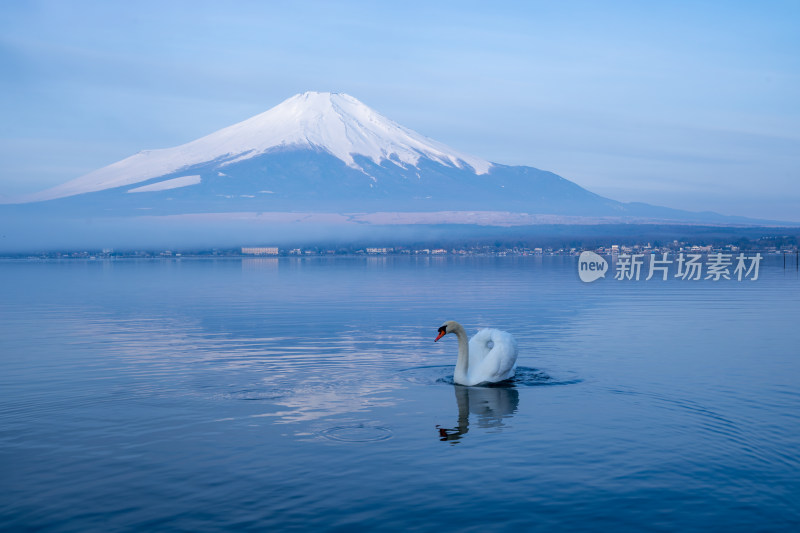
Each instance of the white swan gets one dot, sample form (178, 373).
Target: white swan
(489, 357)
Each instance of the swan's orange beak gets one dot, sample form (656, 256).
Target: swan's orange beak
(442, 333)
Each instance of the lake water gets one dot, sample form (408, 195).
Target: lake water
(308, 394)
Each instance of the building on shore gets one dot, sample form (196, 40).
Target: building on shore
(264, 250)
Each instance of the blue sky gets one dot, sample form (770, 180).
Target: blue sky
(692, 105)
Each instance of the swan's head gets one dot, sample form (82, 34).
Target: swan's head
(448, 327)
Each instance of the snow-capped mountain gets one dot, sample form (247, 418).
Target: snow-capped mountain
(333, 123)
(323, 152)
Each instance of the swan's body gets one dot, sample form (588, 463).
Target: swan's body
(488, 357)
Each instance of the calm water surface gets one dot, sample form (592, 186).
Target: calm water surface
(307, 394)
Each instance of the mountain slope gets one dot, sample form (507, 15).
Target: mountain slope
(334, 123)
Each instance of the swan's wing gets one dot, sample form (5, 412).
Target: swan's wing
(479, 347)
(499, 362)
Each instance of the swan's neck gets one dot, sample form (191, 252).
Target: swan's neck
(462, 364)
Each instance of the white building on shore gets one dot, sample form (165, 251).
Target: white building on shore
(264, 250)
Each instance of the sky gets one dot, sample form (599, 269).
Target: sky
(692, 105)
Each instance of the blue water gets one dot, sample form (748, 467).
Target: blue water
(307, 394)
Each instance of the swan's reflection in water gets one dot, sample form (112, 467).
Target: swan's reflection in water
(490, 405)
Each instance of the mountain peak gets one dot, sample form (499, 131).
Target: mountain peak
(343, 126)
(331, 122)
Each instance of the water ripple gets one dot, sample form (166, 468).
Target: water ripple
(523, 377)
(356, 433)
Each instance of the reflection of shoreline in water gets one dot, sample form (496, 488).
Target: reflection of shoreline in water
(490, 404)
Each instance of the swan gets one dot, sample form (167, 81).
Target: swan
(489, 356)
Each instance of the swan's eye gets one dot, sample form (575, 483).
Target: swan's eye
(442, 329)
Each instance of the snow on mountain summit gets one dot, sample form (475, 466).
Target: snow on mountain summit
(333, 122)
(342, 125)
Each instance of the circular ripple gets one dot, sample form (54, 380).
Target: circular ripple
(428, 375)
(523, 377)
(533, 377)
(357, 433)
